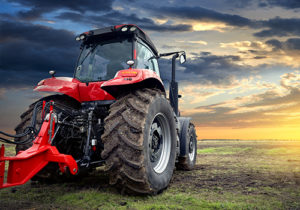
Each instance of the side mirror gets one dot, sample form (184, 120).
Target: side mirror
(182, 58)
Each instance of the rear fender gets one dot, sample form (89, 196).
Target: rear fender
(132, 79)
(65, 85)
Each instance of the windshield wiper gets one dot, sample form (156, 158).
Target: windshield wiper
(85, 57)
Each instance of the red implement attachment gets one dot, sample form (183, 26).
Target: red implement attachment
(27, 163)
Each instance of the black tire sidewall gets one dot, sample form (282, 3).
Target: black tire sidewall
(159, 181)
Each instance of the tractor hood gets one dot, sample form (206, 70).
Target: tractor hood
(74, 88)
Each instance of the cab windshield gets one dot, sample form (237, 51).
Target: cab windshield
(100, 61)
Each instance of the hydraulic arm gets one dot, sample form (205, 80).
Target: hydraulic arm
(27, 163)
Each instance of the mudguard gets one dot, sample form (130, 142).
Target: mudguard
(130, 79)
(65, 85)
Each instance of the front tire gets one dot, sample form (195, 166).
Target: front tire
(140, 142)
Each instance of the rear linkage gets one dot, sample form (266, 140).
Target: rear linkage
(28, 163)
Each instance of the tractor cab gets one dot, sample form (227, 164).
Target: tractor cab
(106, 51)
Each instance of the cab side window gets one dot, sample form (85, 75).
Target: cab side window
(145, 58)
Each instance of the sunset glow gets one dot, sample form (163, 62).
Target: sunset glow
(241, 79)
(259, 133)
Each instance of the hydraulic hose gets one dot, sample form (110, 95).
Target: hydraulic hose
(28, 130)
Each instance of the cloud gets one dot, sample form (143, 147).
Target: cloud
(207, 19)
(260, 109)
(29, 51)
(287, 51)
(201, 14)
(279, 27)
(38, 8)
(245, 45)
(196, 93)
(27, 32)
(213, 71)
(116, 17)
(289, 44)
(287, 4)
(164, 18)
(216, 69)
(271, 52)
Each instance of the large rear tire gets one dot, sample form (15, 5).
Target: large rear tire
(51, 171)
(140, 142)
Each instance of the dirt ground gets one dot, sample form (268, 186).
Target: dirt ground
(228, 175)
(271, 169)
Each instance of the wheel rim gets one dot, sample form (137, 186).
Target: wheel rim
(159, 143)
(192, 149)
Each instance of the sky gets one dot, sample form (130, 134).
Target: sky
(242, 75)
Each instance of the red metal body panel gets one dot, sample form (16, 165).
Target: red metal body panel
(65, 85)
(131, 76)
(74, 88)
(27, 163)
(94, 90)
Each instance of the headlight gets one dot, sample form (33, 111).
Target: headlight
(124, 29)
(133, 28)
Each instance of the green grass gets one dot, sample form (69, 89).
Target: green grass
(282, 151)
(9, 149)
(228, 175)
(227, 150)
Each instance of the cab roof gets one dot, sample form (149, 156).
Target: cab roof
(125, 29)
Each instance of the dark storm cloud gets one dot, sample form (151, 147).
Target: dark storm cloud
(217, 70)
(208, 69)
(280, 27)
(293, 44)
(115, 18)
(213, 63)
(238, 3)
(287, 4)
(111, 18)
(165, 27)
(202, 14)
(29, 51)
(272, 27)
(289, 44)
(38, 7)
(19, 31)
(276, 44)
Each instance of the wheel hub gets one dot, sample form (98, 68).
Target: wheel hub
(191, 145)
(155, 145)
(192, 148)
(159, 142)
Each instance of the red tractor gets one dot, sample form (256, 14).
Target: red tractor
(113, 112)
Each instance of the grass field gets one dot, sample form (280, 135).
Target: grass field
(228, 175)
